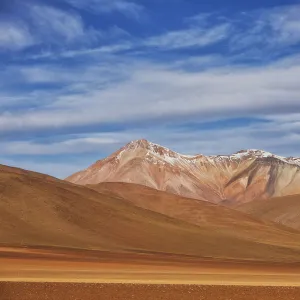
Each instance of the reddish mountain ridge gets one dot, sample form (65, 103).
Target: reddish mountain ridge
(226, 179)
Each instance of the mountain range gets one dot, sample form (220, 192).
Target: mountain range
(229, 180)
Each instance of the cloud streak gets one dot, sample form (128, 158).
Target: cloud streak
(128, 8)
(143, 91)
(15, 36)
(268, 29)
(278, 136)
(47, 26)
(192, 37)
(56, 26)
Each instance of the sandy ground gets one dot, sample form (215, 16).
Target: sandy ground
(73, 291)
(46, 265)
(63, 274)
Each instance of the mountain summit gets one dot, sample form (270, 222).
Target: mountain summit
(226, 179)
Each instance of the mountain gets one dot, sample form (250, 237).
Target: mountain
(39, 210)
(224, 179)
(283, 210)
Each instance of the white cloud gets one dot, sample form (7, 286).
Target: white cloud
(269, 29)
(118, 40)
(128, 8)
(188, 38)
(277, 136)
(86, 144)
(285, 24)
(201, 19)
(46, 25)
(40, 75)
(201, 62)
(192, 37)
(55, 26)
(142, 91)
(270, 137)
(108, 49)
(89, 77)
(15, 36)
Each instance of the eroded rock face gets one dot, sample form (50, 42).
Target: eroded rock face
(225, 179)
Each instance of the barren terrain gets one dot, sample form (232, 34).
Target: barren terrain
(70, 265)
(37, 210)
(118, 241)
(73, 291)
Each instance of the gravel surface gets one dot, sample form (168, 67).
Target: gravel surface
(74, 291)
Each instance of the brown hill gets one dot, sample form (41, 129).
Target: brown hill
(283, 210)
(38, 210)
(227, 179)
(201, 213)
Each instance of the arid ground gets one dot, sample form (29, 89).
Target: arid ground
(63, 241)
(62, 265)
(32, 274)
(75, 291)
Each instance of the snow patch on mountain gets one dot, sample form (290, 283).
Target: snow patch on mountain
(160, 155)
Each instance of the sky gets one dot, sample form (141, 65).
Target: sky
(81, 78)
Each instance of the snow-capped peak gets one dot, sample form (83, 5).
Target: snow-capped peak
(154, 153)
(158, 154)
(151, 148)
(257, 154)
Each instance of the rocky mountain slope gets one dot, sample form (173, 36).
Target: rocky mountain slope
(224, 179)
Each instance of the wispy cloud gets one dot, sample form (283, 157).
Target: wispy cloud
(278, 136)
(126, 7)
(195, 37)
(147, 91)
(191, 37)
(71, 145)
(45, 74)
(56, 26)
(268, 29)
(104, 49)
(15, 36)
(186, 38)
(285, 24)
(45, 25)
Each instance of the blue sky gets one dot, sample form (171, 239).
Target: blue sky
(81, 78)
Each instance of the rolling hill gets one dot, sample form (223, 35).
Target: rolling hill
(201, 213)
(38, 210)
(283, 210)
